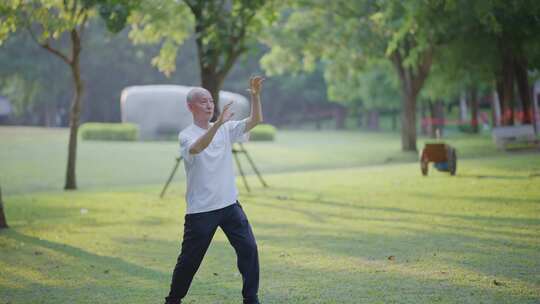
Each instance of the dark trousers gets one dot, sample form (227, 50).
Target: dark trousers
(199, 228)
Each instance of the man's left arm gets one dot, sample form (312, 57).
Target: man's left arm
(256, 116)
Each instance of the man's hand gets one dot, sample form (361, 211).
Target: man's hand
(256, 117)
(255, 84)
(225, 115)
(205, 140)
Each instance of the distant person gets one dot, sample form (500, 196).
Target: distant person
(211, 194)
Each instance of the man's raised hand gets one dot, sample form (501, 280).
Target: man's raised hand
(226, 114)
(255, 84)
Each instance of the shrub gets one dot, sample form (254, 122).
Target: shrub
(167, 132)
(109, 131)
(466, 129)
(263, 132)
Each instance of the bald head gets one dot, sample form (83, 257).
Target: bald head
(196, 93)
(201, 104)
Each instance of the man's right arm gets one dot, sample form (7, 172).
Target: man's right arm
(203, 141)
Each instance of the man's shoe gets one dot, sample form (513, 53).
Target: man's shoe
(252, 300)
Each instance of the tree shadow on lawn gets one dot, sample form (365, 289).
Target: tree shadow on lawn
(418, 254)
(479, 239)
(359, 206)
(476, 198)
(87, 259)
(509, 177)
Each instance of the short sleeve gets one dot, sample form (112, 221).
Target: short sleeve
(185, 144)
(236, 129)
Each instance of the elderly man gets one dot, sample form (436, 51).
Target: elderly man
(211, 196)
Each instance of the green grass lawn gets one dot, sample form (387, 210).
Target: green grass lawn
(34, 159)
(349, 224)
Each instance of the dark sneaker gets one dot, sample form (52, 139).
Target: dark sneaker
(251, 301)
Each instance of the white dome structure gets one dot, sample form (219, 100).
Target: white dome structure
(161, 110)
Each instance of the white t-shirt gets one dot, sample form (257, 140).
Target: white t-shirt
(210, 175)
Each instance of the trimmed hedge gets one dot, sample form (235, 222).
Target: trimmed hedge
(263, 132)
(109, 131)
(467, 129)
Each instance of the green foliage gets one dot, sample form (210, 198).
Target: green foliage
(8, 18)
(474, 34)
(109, 131)
(263, 132)
(222, 30)
(466, 129)
(44, 24)
(164, 22)
(20, 91)
(48, 20)
(30, 79)
(350, 39)
(53, 18)
(376, 87)
(111, 62)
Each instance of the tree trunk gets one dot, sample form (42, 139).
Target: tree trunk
(366, 119)
(495, 110)
(49, 114)
(318, 125)
(213, 82)
(535, 110)
(71, 182)
(439, 108)
(341, 115)
(522, 81)
(463, 108)
(359, 118)
(473, 97)
(3, 220)
(506, 86)
(394, 119)
(208, 60)
(373, 120)
(408, 122)
(432, 120)
(411, 82)
(216, 58)
(425, 121)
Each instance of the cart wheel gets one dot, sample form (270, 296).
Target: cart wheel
(424, 164)
(452, 161)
